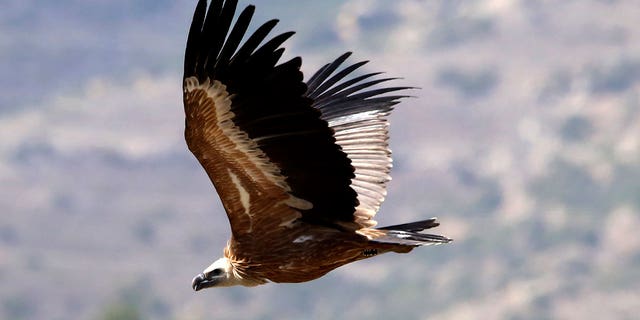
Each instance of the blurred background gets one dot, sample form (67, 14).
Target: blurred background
(524, 140)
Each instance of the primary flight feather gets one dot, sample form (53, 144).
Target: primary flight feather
(300, 168)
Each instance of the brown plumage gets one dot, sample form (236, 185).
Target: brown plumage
(300, 168)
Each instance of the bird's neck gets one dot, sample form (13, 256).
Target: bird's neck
(241, 270)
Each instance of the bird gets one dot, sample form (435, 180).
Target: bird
(301, 167)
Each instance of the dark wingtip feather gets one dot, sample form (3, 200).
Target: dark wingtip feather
(254, 41)
(236, 35)
(336, 95)
(321, 75)
(193, 39)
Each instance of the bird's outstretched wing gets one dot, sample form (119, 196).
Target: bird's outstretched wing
(358, 115)
(270, 154)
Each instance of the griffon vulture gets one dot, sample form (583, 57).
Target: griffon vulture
(301, 167)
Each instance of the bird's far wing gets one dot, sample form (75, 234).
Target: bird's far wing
(268, 152)
(358, 115)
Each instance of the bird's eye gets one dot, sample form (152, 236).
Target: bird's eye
(215, 272)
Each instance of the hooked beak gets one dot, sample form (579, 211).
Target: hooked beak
(200, 282)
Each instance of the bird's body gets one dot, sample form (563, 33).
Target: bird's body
(301, 168)
(310, 250)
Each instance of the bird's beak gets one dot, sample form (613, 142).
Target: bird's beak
(201, 282)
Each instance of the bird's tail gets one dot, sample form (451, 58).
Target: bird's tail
(409, 234)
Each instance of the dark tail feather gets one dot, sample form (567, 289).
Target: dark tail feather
(408, 234)
(414, 226)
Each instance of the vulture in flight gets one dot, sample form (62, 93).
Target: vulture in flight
(301, 167)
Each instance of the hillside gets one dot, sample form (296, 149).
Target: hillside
(524, 139)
